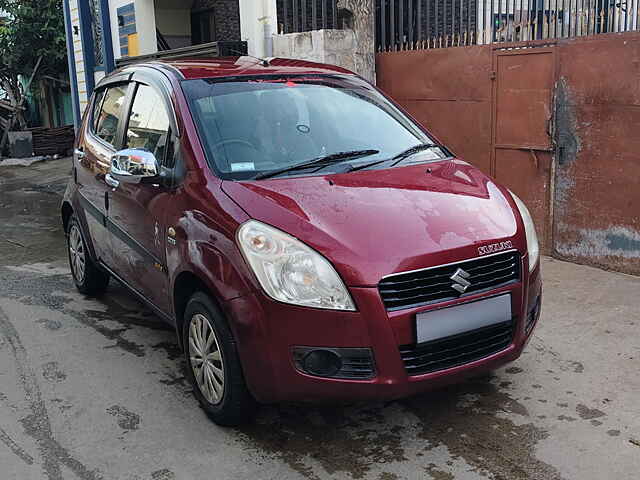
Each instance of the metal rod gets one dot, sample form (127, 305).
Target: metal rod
(401, 22)
(295, 16)
(491, 24)
(419, 21)
(469, 40)
(392, 23)
(334, 14)
(436, 19)
(453, 20)
(285, 13)
(324, 13)
(410, 22)
(428, 32)
(460, 24)
(383, 24)
(314, 14)
(303, 7)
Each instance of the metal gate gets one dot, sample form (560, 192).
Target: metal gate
(553, 120)
(522, 129)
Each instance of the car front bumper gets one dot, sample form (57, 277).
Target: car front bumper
(267, 331)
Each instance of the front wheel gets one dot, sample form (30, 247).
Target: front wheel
(87, 276)
(213, 365)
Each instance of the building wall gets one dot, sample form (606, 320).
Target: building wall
(173, 19)
(145, 26)
(227, 16)
(76, 28)
(336, 47)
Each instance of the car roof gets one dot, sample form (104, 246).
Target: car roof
(219, 67)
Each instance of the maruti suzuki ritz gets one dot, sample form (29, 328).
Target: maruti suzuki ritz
(307, 239)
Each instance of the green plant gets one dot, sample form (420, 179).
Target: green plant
(31, 34)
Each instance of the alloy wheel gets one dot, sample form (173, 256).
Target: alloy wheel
(77, 253)
(206, 358)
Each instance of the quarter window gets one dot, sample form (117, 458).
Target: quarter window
(148, 127)
(97, 103)
(109, 118)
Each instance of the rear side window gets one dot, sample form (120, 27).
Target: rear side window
(148, 126)
(106, 125)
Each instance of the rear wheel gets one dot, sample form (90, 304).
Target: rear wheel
(213, 365)
(87, 276)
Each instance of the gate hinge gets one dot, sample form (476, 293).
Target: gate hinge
(492, 75)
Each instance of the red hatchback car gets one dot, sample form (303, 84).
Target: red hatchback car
(308, 240)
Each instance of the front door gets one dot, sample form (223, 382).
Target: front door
(93, 158)
(522, 116)
(137, 220)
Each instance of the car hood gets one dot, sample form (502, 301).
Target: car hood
(373, 223)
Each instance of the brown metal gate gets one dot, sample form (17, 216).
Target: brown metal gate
(522, 118)
(555, 121)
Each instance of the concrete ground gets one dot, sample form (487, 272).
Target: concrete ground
(94, 389)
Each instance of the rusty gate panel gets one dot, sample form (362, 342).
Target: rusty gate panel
(442, 88)
(580, 173)
(522, 113)
(597, 189)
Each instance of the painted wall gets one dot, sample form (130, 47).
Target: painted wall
(145, 25)
(173, 19)
(258, 23)
(78, 54)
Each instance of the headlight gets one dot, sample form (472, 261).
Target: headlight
(533, 248)
(290, 271)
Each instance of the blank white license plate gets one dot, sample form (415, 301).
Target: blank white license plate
(449, 321)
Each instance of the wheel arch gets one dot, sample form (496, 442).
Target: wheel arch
(185, 284)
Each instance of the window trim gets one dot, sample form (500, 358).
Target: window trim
(158, 81)
(170, 133)
(117, 145)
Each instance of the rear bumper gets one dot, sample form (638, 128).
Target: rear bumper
(266, 332)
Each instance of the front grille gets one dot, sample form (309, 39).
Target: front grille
(421, 287)
(456, 350)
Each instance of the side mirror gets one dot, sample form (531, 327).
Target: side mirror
(134, 166)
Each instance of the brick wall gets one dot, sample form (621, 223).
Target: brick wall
(227, 17)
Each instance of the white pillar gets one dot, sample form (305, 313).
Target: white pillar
(258, 23)
(146, 25)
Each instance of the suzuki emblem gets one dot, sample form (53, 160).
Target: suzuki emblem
(460, 281)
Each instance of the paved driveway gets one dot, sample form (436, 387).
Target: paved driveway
(94, 389)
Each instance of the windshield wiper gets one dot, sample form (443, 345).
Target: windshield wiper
(399, 157)
(319, 162)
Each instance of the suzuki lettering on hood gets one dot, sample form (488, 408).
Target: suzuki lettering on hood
(495, 247)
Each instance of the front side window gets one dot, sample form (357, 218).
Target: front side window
(261, 124)
(148, 126)
(110, 114)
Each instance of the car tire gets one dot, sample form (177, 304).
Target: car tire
(213, 365)
(89, 278)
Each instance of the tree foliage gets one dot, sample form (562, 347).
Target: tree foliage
(29, 30)
(32, 29)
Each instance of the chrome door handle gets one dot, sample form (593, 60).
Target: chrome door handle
(79, 154)
(112, 182)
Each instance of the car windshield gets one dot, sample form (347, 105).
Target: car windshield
(255, 125)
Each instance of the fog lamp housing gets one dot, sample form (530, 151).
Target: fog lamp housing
(329, 362)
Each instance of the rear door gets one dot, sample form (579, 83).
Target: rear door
(100, 139)
(137, 212)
